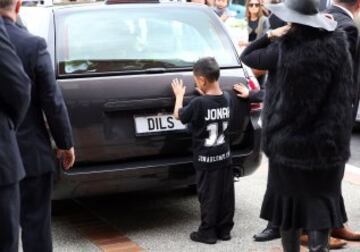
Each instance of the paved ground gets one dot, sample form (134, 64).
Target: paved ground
(355, 149)
(162, 221)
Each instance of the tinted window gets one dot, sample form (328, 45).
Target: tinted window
(239, 2)
(132, 39)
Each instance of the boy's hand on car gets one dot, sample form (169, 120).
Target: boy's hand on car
(241, 90)
(178, 87)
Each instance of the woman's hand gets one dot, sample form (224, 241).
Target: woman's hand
(279, 32)
(243, 43)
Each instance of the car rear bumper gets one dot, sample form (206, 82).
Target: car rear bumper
(113, 178)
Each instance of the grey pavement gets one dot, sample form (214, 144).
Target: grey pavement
(162, 221)
(355, 149)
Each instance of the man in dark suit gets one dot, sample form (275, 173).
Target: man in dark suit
(33, 138)
(14, 102)
(343, 12)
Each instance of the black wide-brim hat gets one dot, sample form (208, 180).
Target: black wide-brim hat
(305, 12)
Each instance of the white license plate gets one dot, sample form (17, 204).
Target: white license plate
(156, 124)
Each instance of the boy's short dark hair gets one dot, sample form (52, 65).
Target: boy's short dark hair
(207, 67)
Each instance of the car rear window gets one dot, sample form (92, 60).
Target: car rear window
(139, 39)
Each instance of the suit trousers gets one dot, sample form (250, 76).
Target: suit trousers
(215, 189)
(35, 215)
(9, 217)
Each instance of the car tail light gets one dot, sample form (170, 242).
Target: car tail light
(253, 85)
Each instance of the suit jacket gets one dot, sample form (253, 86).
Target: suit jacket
(14, 101)
(46, 98)
(348, 25)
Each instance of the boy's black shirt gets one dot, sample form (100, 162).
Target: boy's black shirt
(209, 117)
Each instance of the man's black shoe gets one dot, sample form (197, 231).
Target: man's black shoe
(195, 236)
(224, 237)
(268, 234)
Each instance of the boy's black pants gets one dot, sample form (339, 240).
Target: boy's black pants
(215, 189)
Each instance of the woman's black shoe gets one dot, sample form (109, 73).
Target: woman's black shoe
(195, 236)
(267, 234)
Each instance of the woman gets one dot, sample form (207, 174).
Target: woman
(306, 122)
(257, 22)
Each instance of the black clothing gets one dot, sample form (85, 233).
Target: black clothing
(346, 23)
(35, 213)
(321, 82)
(310, 200)
(33, 138)
(256, 96)
(253, 25)
(209, 118)
(306, 126)
(14, 101)
(275, 22)
(217, 201)
(319, 240)
(290, 240)
(9, 217)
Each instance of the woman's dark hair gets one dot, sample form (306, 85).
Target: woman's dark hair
(304, 32)
(208, 68)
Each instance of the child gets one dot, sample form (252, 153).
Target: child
(209, 116)
(221, 9)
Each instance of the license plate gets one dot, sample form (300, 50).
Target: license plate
(157, 124)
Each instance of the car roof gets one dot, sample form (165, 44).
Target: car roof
(103, 6)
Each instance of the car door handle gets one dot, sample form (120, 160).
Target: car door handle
(114, 105)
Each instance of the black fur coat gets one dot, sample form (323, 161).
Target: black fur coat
(307, 111)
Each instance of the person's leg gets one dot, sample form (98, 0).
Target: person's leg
(271, 231)
(36, 213)
(290, 240)
(9, 218)
(207, 194)
(319, 240)
(225, 221)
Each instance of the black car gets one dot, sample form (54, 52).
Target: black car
(115, 64)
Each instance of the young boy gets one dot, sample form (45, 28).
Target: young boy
(209, 116)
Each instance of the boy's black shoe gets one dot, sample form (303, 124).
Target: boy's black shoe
(195, 236)
(224, 237)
